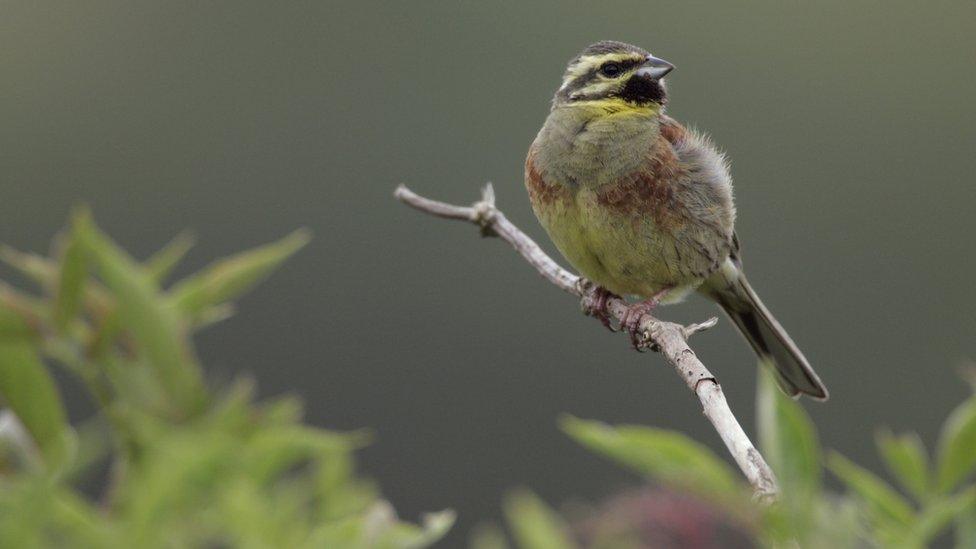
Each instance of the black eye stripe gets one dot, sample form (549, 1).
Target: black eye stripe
(615, 68)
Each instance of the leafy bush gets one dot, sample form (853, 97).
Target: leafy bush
(189, 466)
(871, 513)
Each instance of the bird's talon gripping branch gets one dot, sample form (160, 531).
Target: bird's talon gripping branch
(635, 314)
(632, 320)
(595, 303)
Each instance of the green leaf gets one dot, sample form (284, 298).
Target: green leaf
(233, 276)
(27, 388)
(788, 440)
(488, 536)
(966, 527)
(906, 459)
(213, 315)
(341, 493)
(378, 528)
(656, 454)
(534, 525)
(35, 512)
(37, 268)
(106, 330)
(838, 523)
(937, 515)
(162, 263)
(93, 443)
(957, 446)
(72, 274)
(274, 450)
(347, 532)
(31, 309)
(885, 503)
(403, 535)
(152, 321)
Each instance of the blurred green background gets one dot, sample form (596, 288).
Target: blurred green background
(850, 127)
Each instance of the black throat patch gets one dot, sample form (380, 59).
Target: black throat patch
(643, 91)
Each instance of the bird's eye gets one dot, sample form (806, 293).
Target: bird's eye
(610, 70)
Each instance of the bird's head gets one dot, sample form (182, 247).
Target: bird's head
(614, 77)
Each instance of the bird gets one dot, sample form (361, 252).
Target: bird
(643, 207)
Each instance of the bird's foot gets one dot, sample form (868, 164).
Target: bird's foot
(596, 305)
(633, 316)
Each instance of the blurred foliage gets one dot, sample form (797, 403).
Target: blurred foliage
(182, 465)
(179, 464)
(702, 502)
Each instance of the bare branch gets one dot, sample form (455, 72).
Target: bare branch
(667, 337)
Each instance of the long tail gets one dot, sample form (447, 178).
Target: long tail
(730, 289)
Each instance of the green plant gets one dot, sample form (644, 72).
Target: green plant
(189, 465)
(929, 499)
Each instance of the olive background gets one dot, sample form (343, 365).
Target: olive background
(850, 126)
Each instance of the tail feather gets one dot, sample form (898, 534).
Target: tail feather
(730, 289)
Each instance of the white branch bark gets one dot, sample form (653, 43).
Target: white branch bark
(669, 338)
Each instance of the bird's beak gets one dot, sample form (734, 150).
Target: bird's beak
(654, 68)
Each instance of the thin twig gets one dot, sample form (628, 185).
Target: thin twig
(667, 337)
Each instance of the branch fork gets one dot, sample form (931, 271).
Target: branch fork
(669, 338)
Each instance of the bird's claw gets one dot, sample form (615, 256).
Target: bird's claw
(633, 316)
(631, 323)
(595, 304)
